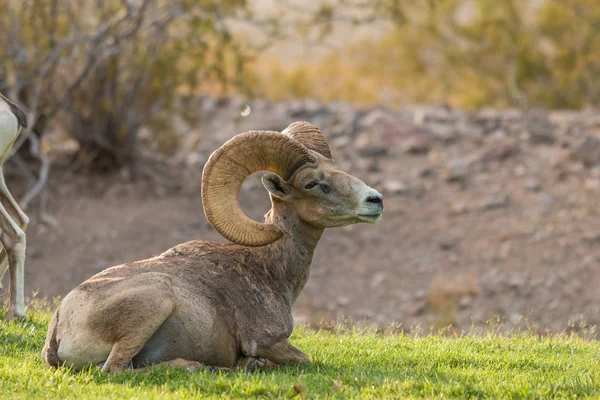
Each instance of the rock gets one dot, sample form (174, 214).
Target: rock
(538, 128)
(444, 133)
(195, 159)
(396, 188)
(497, 151)
(590, 260)
(458, 208)
(532, 184)
(546, 199)
(424, 173)
(520, 170)
(373, 166)
(382, 131)
(495, 201)
(592, 237)
(540, 136)
(515, 281)
(588, 151)
(343, 300)
(367, 146)
(457, 170)
(592, 184)
(340, 142)
(417, 144)
(499, 135)
(447, 245)
(487, 123)
(377, 280)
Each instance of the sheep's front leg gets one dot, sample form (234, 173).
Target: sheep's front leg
(282, 352)
(13, 238)
(12, 258)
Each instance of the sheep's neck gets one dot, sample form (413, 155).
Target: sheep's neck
(293, 253)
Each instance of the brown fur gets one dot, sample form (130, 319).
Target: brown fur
(52, 347)
(222, 305)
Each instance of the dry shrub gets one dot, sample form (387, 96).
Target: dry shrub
(100, 70)
(469, 53)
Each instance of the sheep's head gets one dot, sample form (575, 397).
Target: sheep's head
(302, 174)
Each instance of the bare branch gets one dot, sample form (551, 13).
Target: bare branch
(44, 172)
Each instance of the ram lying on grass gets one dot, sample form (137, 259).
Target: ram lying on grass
(345, 365)
(212, 304)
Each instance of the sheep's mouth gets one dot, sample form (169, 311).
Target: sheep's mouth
(370, 218)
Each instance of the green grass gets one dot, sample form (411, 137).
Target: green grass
(345, 364)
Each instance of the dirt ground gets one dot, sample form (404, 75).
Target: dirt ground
(487, 215)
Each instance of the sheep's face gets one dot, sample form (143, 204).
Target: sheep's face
(326, 197)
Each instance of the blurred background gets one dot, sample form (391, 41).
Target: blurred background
(477, 120)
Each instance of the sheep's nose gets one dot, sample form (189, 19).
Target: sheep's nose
(375, 199)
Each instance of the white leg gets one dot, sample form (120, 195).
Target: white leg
(13, 238)
(3, 264)
(13, 203)
(24, 222)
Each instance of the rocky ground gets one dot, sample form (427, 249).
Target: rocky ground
(488, 214)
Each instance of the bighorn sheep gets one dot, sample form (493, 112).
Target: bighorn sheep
(13, 221)
(222, 305)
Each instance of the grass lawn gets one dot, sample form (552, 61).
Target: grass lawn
(345, 365)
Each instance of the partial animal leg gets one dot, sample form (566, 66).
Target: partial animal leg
(252, 363)
(3, 264)
(17, 215)
(4, 257)
(24, 219)
(282, 352)
(132, 316)
(13, 239)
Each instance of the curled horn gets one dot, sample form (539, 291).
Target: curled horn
(230, 165)
(310, 136)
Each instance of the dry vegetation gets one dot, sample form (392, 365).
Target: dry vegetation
(468, 53)
(100, 71)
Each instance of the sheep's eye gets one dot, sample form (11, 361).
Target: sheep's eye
(310, 185)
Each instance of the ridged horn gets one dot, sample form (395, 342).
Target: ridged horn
(230, 165)
(310, 136)
(17, 111)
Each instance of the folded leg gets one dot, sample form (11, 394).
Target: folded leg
(16, 214)
(13, 239)
(282, 352)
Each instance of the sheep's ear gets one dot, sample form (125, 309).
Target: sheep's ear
(276, 186)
